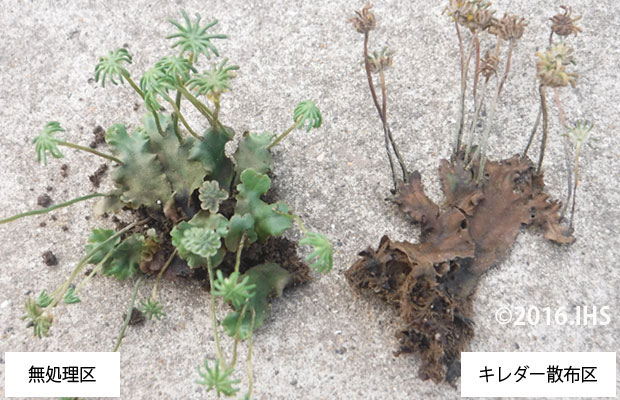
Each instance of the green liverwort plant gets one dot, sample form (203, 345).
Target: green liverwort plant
(211, 196)
(194, 38)
(40, 320)
(230, 289)
(112, 66)
(322, 256)
(199, 205)
(152, 309)
(47, 142)
(215, 378)
(306, 111)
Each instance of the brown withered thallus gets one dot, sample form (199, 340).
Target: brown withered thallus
(431, 283)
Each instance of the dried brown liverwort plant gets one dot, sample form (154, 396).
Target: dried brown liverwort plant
(431, 283)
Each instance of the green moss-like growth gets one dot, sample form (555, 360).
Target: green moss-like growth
(194, 202)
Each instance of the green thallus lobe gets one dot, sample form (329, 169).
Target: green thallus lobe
(153, 170)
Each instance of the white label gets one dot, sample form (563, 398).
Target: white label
(538, 374)
(39, 374)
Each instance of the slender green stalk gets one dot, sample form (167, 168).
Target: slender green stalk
(133, 85)
(89, 150)
(51, 208)
(178, 113)
(214, 316)
(200, 106)
(175, 116)
(216, 112)
(178, 98)
(175, 128)
(95, 270)
(243, 310)
(203, 109)
(121, 334)
(545, 117)
(237, 339)
(157, 123)
(284, 134)
(161, 273)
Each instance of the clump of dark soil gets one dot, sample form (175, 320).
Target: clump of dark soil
(431, 283)
(99, 137)
(137, 317)
(49, 258)
(44, 200)
(98, 175)
(279, 250)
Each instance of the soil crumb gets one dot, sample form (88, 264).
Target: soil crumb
(44, 200)
(277, 249)
(49, 258)
(99, 134)
(137, 317)
(96, 178)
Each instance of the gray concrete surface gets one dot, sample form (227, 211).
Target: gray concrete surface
(323, 341)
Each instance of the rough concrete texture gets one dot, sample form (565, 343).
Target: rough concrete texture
(323, 340)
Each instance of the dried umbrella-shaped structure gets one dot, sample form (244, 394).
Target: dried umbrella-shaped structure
(431, 282)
